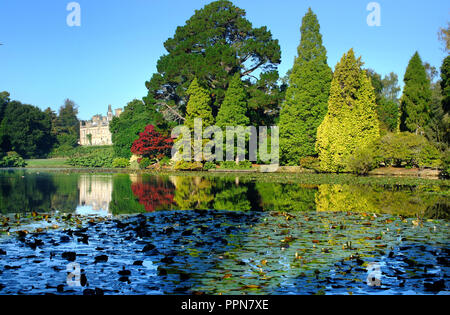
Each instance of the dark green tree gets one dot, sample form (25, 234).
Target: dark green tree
(445, 84)
(214, 44)
(416, 99)
(67, 125)
(307, 95)
(26, 130)
(125, 129)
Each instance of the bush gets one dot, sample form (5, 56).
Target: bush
(121, 163)
(100, 157)
(363, 161)
(188, 166)
(310, 163)
(229, 165)
(165, 161)
(408, 150)
(144, 163)
(209, 166)
(12, 159)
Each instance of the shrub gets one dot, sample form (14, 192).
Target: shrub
(209, 166)
(97, 158)
(121, 163)
(407, 149)
(165, 161)
(152, 144)
(311, 163)
(144, 163)
(12, 159)
(446, 164)
(188, 166)
(363, 161)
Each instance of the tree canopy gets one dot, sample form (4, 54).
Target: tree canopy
(215, 43)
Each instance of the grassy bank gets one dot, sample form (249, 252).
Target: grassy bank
(48, 163)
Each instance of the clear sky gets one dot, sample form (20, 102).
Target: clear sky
(110, 56)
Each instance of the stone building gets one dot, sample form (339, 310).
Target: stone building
(96, 131)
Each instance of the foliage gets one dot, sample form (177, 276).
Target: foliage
(66, 126)
(215, 43)
(209, 166)
(363, 161)
(165, 161)
(188, 166)
(24, 129)
(199, 106)
(233, 111)
(446, 164)
(231, 165)
(120, 163)
(68, 151)
(12, 159)
(152, 144)
(307, 95)
(351, 121)
(126, 128)
(407, 149)
(145, 163)
(415, 102)
(98, 158)
(310, 162)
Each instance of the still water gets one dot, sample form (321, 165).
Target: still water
(143, 234)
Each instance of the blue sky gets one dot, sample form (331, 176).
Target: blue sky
(110, 56)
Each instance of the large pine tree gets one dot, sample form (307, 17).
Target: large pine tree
(416, 99)
(307, 95)
(351, 121)
(233, 111)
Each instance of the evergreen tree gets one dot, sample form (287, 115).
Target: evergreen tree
(416, 99)
(351, 122)
(199, 106)
(445, 84)
(233, 111)
(307, 95)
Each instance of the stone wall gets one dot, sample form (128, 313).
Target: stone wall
(95, 132)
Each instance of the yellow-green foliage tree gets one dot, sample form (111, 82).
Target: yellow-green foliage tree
(351, 121)
(199, 106)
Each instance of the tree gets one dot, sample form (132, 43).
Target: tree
(351, 121)
(233, 111)
(125, 129)
(307, 95)
(416, 99)
(199, 106)
(26, 130)
(444, 36)
(386, 95)
(215, 43)
(151, 144)
(67, 125)
(445, 84)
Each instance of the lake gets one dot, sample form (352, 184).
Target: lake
(82, 233)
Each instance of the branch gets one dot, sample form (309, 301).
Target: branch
(253, 69)
(176, 113)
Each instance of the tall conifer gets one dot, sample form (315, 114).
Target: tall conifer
(307, 95)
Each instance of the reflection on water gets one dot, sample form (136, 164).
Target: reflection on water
(95, 193)
(26, 191)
